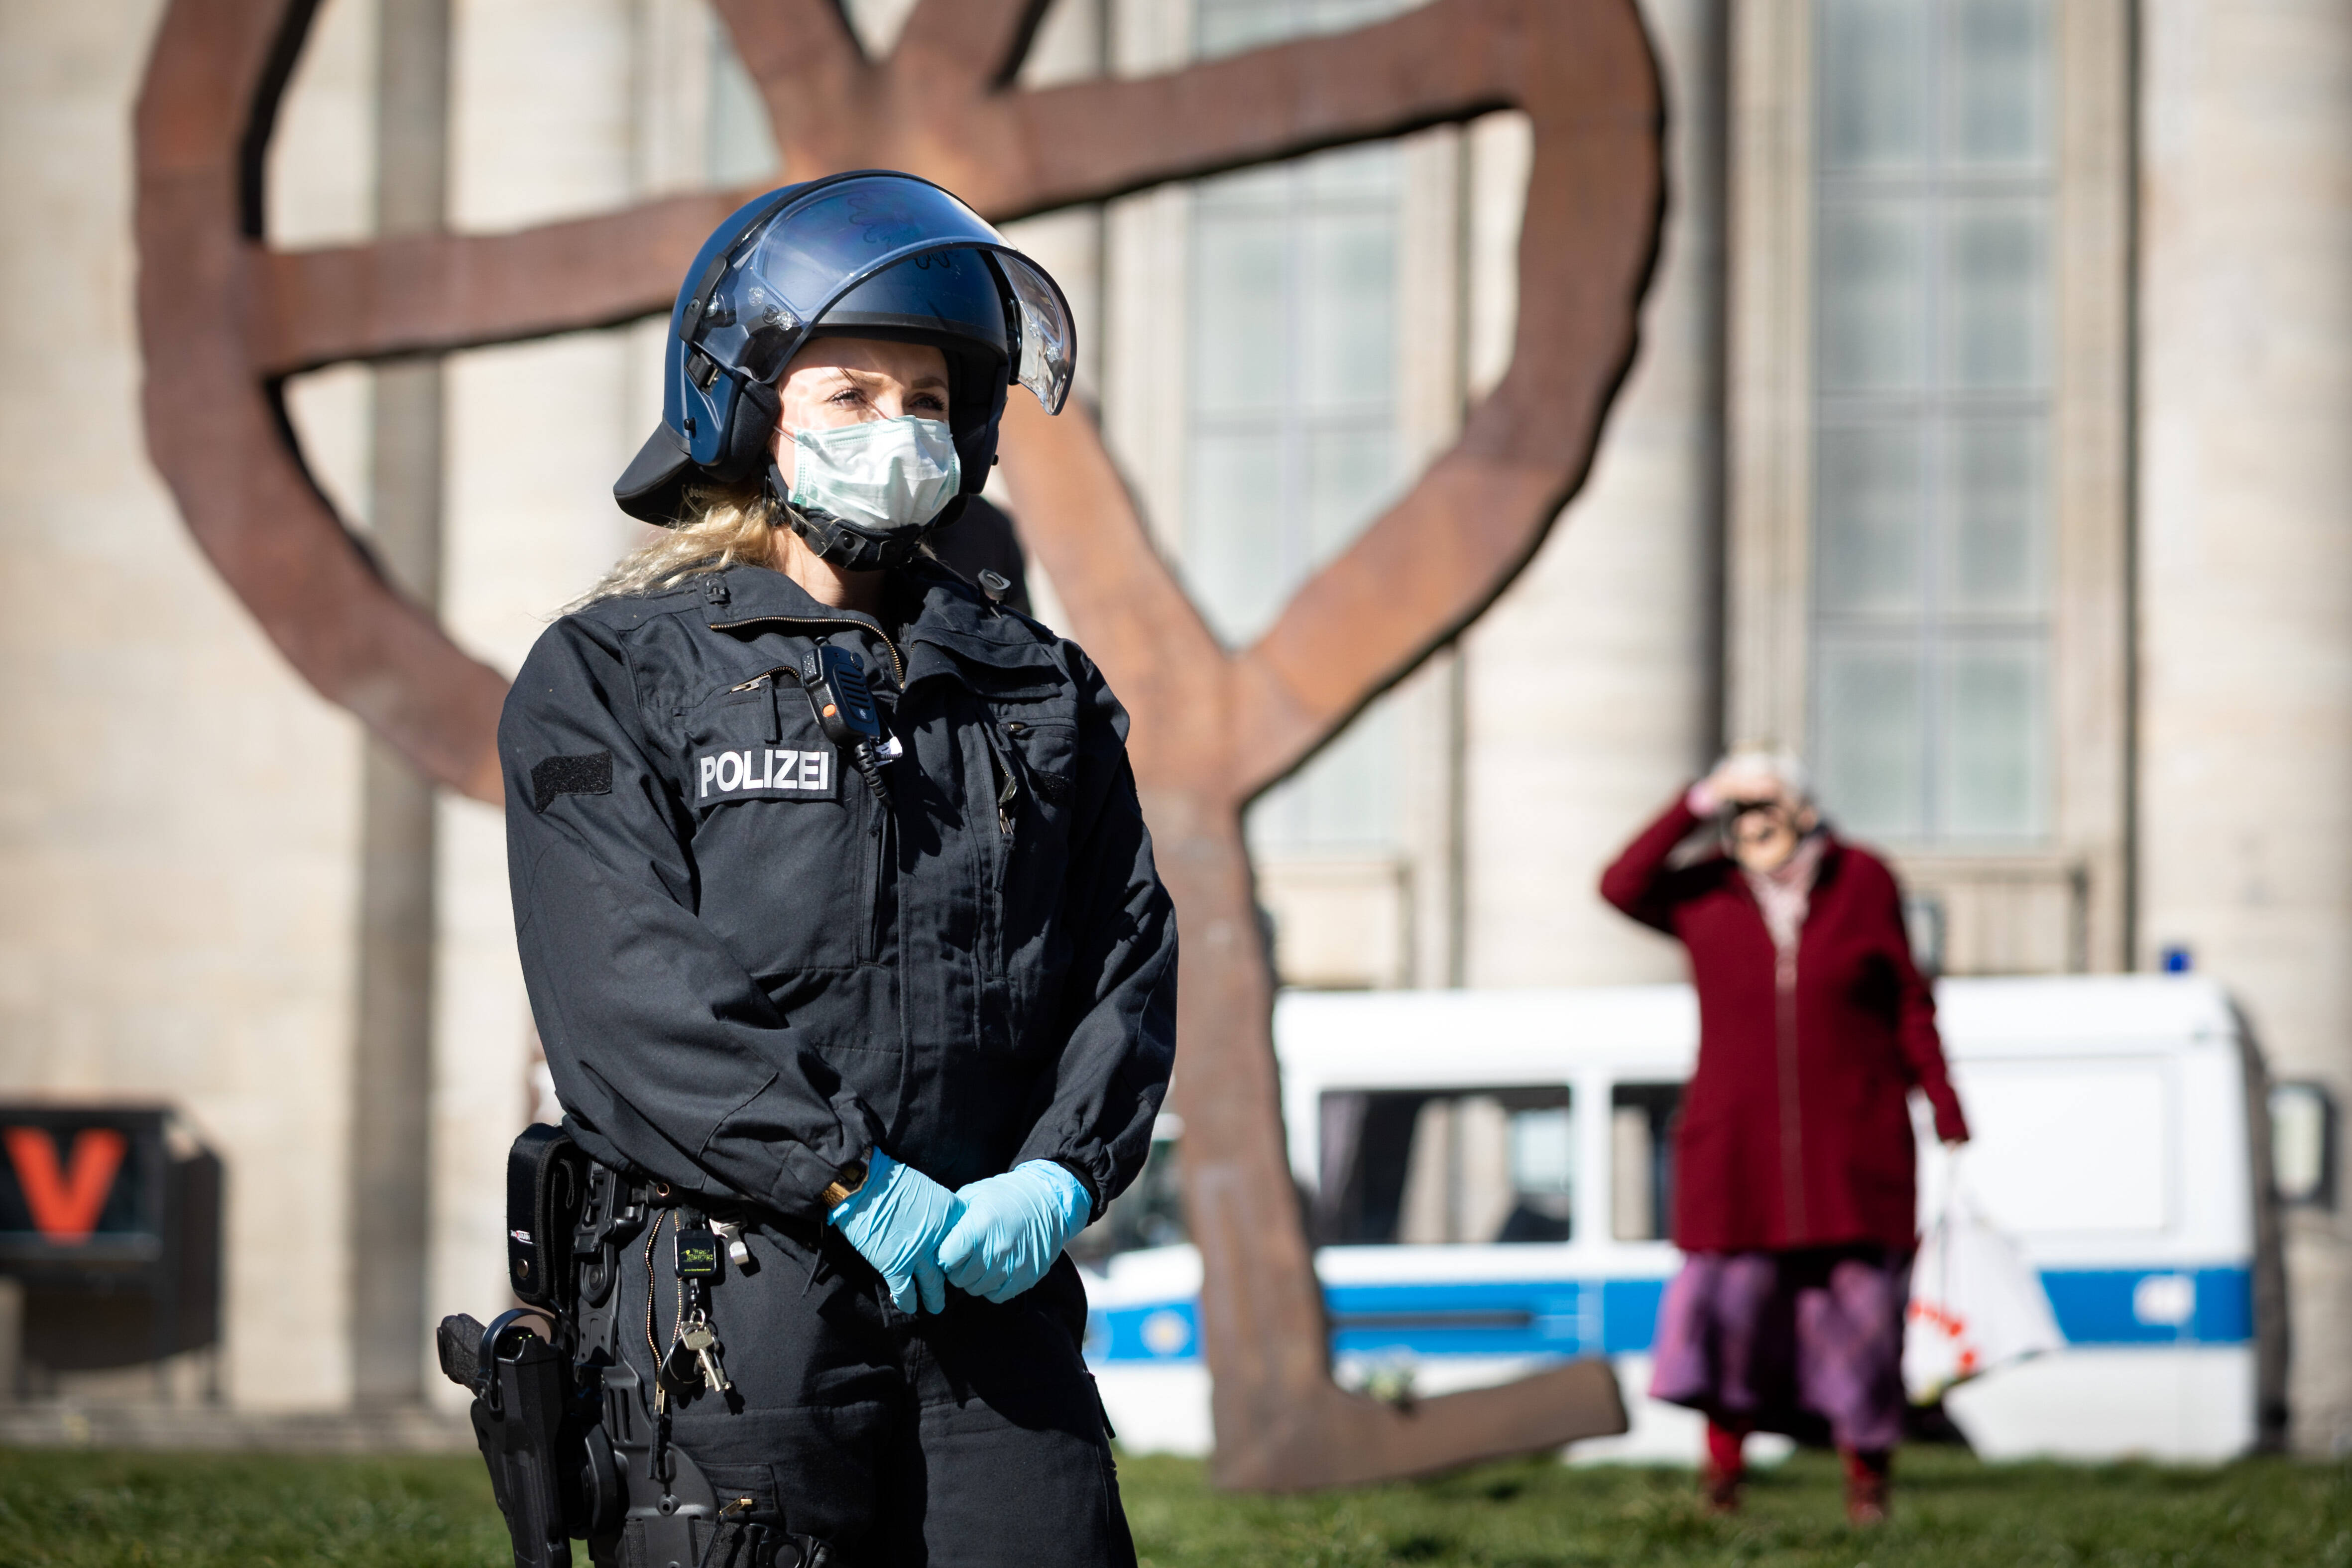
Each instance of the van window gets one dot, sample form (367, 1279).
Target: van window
(1642, 1159)
(1419, 1166)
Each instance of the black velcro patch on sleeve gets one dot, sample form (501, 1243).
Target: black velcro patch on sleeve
(589, 775)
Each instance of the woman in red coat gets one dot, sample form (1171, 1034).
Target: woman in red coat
(1793, 1162)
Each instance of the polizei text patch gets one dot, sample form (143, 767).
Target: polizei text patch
(764, 771)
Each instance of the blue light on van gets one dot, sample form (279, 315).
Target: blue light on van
(1619, 1317)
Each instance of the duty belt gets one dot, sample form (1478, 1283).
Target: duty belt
(577, 1443)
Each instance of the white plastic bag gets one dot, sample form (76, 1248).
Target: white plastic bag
(1976, 1303)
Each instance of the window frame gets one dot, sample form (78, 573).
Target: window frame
(1510, 1098)
(2062, 904)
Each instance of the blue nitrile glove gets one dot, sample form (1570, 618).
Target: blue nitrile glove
(1013, 1229)
(896, 1220)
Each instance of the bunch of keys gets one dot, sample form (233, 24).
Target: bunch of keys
(693, 1363)
(693, 1360)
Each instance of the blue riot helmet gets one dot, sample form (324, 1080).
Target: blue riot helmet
(871, 254)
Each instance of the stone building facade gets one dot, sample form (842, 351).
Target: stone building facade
(1985, 442)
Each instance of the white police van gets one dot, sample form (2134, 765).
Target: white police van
(1488, 1177)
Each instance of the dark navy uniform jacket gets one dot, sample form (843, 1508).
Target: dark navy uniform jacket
(747, 974)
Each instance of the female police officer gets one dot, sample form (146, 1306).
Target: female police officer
(835, 902)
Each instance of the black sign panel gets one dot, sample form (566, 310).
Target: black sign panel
(104, 1208)
(80, 1188)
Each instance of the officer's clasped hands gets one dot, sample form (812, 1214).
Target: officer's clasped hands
(897, 1220)
(1011, 1230)
(994, 1237)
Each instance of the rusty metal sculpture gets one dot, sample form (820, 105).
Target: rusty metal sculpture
(225, 319)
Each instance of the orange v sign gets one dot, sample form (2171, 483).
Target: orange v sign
(65, 1204)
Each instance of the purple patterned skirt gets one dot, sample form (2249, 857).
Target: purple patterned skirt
(1809, 1343)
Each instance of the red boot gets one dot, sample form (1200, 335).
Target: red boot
(1725, 1469)
(1869, 1477)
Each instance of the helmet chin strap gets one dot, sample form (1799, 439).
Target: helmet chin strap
(837, 543)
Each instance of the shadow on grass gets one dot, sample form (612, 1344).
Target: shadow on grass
(212, 1510)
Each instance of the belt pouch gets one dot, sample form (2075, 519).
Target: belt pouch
(547, 1181)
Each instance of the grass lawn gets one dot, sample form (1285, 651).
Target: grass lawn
(82, 1508)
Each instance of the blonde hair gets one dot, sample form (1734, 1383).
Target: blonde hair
(726, 525)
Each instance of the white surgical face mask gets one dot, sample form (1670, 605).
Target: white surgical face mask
(884, 476)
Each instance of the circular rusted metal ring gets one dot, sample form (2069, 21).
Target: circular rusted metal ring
(224, 319)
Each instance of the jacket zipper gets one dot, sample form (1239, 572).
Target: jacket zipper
(775, 699)
(1008, 780)
(870, 939)
(898, 665)
(1007, 772)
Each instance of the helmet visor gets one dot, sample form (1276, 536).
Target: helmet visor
(795, 266)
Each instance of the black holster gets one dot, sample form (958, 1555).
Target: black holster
(564, 1423)
(524, 1394)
